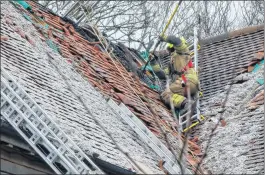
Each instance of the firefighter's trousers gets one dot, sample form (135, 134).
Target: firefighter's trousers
(177, 93)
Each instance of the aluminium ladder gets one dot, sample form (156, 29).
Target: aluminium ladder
(197, 118)
(41, 132)
(148, 137)
(183, 121)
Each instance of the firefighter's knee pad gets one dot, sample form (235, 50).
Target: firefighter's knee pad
(177, 100)
(166, 95)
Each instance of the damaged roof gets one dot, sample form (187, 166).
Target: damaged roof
(103, 72)
(33, 69)
(223, 57)
(232, 67)
(24, 56)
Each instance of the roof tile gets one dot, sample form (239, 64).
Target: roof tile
(220, 58)
(109, 75)
(259, 55)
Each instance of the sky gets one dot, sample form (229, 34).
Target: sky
(235, 10)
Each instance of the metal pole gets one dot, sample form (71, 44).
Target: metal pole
(163, 33)
(195, 48)
(196, 68)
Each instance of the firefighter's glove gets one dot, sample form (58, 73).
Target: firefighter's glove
(153, 56)
(183, 84)
(162, 38)
(200, 94)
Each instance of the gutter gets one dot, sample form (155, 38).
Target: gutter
(9, 135)
(110, 168)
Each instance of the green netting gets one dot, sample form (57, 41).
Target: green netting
(154, 87)
(145, 56)
(23, 4)
(52, 45)
(260, 81)
(257, 66)
(49, 42)
(27, 18)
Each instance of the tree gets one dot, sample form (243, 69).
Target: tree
(252, 12)
(136, 23)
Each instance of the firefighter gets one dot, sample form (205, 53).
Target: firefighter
(181, 72)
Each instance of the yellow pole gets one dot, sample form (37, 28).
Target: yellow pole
(169, 21)
(171, 17)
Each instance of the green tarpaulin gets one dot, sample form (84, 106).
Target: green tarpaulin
(256, 68)
(24, 4)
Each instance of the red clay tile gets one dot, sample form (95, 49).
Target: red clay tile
(104, 73)
(4, 38)
(223, 123)
(259, 55)
(250, 68)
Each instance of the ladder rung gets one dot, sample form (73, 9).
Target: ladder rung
(38, 129)
(183, 120)
(17, 121)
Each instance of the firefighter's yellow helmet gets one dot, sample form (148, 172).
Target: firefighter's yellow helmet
(169, 45)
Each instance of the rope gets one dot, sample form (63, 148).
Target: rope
(87, 109)
(78, 97)
(151, 111)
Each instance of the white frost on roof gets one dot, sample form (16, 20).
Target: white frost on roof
(30, 67)
(236, 147)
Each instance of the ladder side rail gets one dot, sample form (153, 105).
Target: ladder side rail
(31, 144)
(19, 119)
(196, 69)
(148, 132)
(184, 122)
(30, 113)
(169, 164)
(65, 139)
(151, 135)
(139, 129)
(80, 155)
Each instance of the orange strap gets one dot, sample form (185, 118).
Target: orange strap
(184, 79)
(189, 65)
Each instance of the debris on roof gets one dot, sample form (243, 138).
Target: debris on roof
(238, 145)
(219, 56)
(256, 101)
(100, 70)
(32, 68)
(3, 38)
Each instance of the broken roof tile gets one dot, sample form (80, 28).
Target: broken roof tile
(72, 45)
(219, 57)
(259, 55)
